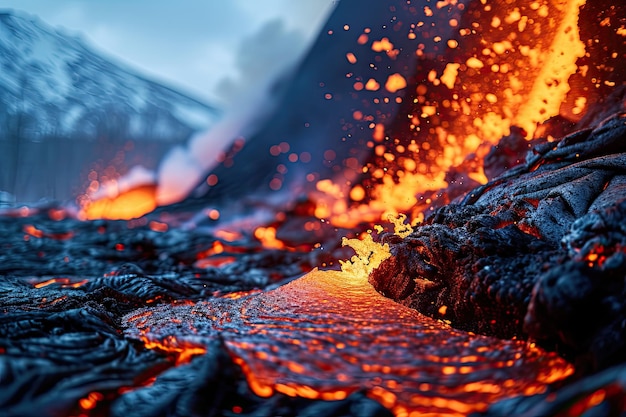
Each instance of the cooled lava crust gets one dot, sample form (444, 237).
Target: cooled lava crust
(539, 252)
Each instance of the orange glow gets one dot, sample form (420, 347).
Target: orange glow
(182, 351)
(158, 226)
(132, 204)
(372, 85)
(479, 176)
(596, 257)
(267, 237)
(33, 231)
(379, 132)
(239, 294)
(57, 214)
(65, 283)
(449, 75)
(357, 193)
(613, 393)
(215, 261)
(382, 45)
(216, 248)
(317, 337)
(90, 402)
(550, 86)
(395, 82)
(321, 341)
(228, 235)
(139, 316)
(510, 69)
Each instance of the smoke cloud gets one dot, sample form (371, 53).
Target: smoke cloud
(262, 58)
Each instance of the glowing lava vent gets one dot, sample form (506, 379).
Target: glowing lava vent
(114, 197)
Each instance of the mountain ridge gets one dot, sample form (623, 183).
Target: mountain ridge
(79, 88)
(69, 112)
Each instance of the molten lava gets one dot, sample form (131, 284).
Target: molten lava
(482, 68)
(329, 334)
(131, 204)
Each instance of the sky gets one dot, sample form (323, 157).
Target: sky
(210, 49)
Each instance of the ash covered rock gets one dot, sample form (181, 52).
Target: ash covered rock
(538, 252)
(580, 303)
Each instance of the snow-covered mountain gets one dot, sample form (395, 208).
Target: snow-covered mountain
(53, 85)
(69, 115)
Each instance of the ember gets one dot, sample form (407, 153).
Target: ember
(471, 153)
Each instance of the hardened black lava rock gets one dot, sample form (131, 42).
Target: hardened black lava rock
(64, 287)
(539, 252)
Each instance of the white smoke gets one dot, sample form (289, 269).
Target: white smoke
(177, 174)
(135, 177)
(262, 58)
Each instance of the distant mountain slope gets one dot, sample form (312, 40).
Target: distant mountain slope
(69, 115)
(52, 84)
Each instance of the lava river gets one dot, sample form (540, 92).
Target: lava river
(329, 334)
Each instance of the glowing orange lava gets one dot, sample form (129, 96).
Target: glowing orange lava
(330, 333)
(90, 401)
(32, 231)
(183, 351)
(480, 73)
(131, 204)
(64, 282)
(267, 237)
(490, 65)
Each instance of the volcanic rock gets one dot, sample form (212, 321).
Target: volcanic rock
(536, 253)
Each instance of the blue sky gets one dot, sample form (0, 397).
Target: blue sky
(211, 49)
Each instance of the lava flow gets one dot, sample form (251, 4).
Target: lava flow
(329, 334)
(130, 204)
(497, 127)
(482, 74)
